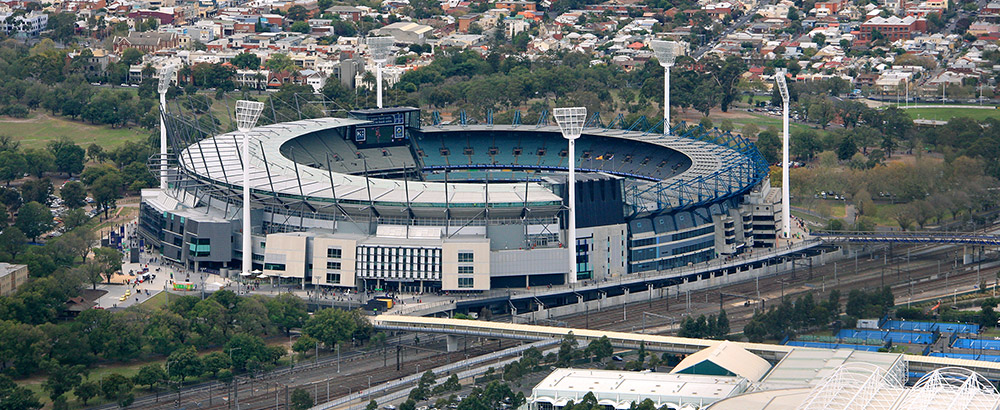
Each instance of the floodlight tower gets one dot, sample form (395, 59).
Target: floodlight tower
(570, 122)
(666, 53)
(162, 87)
(379, 47)
(247, 113)
(779, 77)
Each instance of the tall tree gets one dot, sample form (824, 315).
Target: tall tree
(34, 219)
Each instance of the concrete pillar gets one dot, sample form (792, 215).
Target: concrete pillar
(452, 342)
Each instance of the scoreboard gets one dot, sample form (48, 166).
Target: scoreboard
(386, 126)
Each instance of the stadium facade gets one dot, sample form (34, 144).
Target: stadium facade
(378, 201)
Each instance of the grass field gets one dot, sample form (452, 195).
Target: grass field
(40, 128)
(945, 114)
(763, 122)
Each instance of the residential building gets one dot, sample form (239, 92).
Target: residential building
(12, 277)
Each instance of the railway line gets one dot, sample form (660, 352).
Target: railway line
(927, 272)
(272, 391)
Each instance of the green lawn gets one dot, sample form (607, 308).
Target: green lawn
(945, 114)
(763, 122)
(40, 128)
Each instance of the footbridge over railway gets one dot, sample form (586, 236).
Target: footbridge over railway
(953, 238)
(671, 344)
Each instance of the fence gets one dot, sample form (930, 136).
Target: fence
(887, 335)
(930, 327)
(985, 344)
(823, 345)
(969, 356)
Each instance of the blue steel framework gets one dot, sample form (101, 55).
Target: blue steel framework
(961, 238)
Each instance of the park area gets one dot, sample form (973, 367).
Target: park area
(947, 113)
(39, 129)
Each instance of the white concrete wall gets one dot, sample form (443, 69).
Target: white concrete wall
(348, 259)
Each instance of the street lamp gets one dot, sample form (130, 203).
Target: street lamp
(379, 47)
(162, 86)
(779, 77)
(247, 113)
(570, 122)
(666, 53)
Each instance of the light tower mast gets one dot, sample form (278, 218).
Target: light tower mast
(247, 113)
(666, 53)
(570, 122)
(379, 47)
(779, 77)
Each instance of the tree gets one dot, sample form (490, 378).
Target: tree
(86, 391)
(11, 166)
(280, 62)
(722, 325)
(297, 13)
(250, 351)
(246, 61)
(301, 27)
(600, 349)
(184, 362)
(846, 149)
(150, 375)
(74, 218)
(14, 397)
(62, 379)
(372, 405)
(769, 144)
(109, 260)
(73, 194)
(301, 400)
(118, 389)
(34, 219)
(69, 156)
(131, 56)
(96, 152)
(37, 190)
(216, 361)
(12, 241)
(287, 311)
(330, 326)
(38, 162)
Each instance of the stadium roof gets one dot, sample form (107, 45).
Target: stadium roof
(620, 388)
(724, 359)
(218, 159)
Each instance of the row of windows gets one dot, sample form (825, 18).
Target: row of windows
(692, 247)
(398, 262)
(334, 253)
(466, 283)
(333, 278)
(467, 257)
(274, 266)
(674, 237)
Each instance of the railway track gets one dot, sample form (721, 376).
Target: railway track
(921, 269)
(322, 382)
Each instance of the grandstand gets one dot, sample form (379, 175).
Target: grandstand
(377, 200)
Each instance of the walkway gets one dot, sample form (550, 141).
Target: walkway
(671, 344)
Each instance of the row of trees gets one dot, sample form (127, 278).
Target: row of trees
(806, 313)
(920, 193)
(706, 328)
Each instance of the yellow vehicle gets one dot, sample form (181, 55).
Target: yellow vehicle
(122, 299)
(128, 292)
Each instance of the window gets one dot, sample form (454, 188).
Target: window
(333, 253)
(468, 270)
(332, 278)
(333, 265)
(466, 257)
(274, 266)
(465, 283)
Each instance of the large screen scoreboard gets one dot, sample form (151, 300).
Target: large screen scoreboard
(388, 126)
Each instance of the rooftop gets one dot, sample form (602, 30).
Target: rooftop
(619, 389)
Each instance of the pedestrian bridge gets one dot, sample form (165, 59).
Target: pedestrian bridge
(953, 238)
(670, 344)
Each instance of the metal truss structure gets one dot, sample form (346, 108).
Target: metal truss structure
(863, 386)
(958, 238)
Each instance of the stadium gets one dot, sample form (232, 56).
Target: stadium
(378, 199)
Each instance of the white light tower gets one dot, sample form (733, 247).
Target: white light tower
(779, 77)
(666, 53)
(247, 113)
(379, 47)
(570, 122)
(162, 87)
